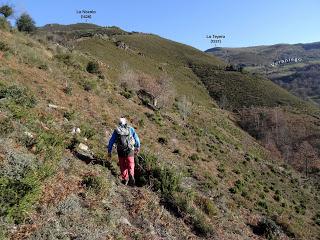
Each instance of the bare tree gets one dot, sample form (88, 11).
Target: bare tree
(128, 78)
(160, 89)
(309, 154)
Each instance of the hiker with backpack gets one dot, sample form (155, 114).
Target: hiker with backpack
(128, 144)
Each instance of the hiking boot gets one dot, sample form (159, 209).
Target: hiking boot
(132, 181)
(125, 182)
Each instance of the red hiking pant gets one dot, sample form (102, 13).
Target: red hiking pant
(126, 166)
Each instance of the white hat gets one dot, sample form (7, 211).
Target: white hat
(122, 121)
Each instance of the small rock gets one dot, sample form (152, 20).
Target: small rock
(55, 106)
(125, 221)
(28, 134)
(75, 131)
(52, 106)
(83, 147)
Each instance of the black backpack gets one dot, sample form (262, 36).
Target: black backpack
(125, 141)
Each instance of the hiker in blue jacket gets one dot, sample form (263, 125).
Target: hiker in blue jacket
(128, 144)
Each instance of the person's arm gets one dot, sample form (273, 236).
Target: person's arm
(112, 141)
(136, 138)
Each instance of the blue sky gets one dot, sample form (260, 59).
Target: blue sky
(243, 23)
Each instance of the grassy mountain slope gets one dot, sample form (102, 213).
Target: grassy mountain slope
(201, 176)
(243, 89)
(300, 78)
(265, 55)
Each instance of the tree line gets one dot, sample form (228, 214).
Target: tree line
(24, 22)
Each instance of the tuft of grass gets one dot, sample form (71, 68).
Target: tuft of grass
(6, 126)
(87, 130)
(183, 204)
(4, 47)
(96, 184)
(127, 93)
(67, 90)
(194, 157)
(66, 58)
(47, 141)
(88, 84)
(157, 118)
(317, 219)
(69, 115)
(207, 206)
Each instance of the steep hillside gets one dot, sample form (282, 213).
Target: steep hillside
(294, 67)
(265, 55)
(199, 175)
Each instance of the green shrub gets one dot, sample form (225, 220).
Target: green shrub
(69, 61)
(17, 198)
(269, 228)
(194, 157)
(44, 67)
(88, 85)
(141, 123)
(262, 204)
(236, 171)
(166, 180)
(6, 11)
(176, 151)
(209, 183)
(238, 187)
(127, 94)
(47, 141)
(18, 95)
(25, 23)
(162, 140)
(69, 115)
(201, 226)
(4, 24)
(65, 58)
(6, 126)
(300, 209)
(93, 67)
(277, 197)
(163, 179)
(17, 111)
(207, 206)
(87, 131)
(221, 168)
(157, 118)
(244, 194)
(317, 219)
(96, 184)
(4, 47)
(67, 90)
(182, 202)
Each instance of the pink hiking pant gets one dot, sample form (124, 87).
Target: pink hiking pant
(126, 166)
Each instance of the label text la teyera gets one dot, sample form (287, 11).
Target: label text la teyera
(214, 38)
(287, 60)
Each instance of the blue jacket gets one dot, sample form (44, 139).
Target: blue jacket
(114, 137)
